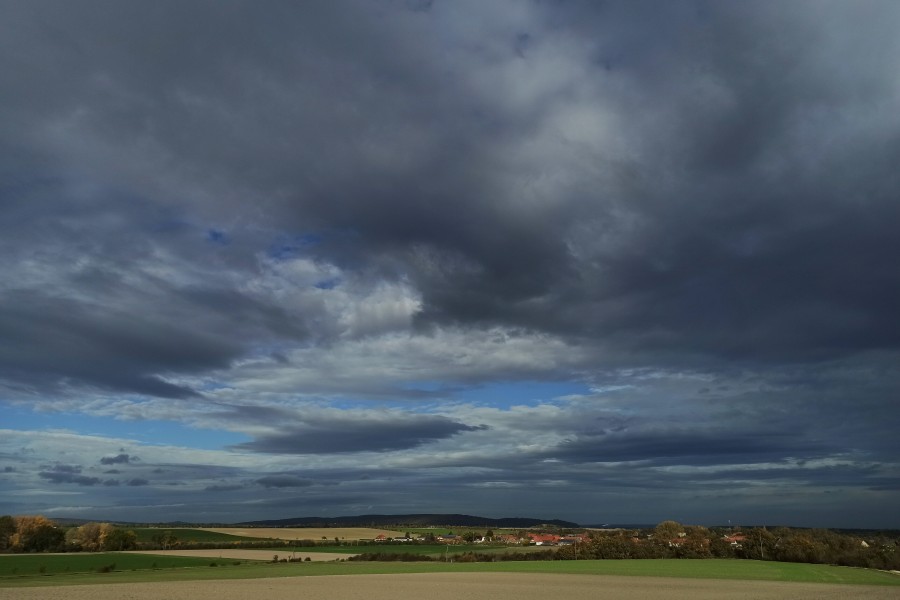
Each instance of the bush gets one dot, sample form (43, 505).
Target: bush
(388, 557)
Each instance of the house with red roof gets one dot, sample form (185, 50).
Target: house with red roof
(544, 539)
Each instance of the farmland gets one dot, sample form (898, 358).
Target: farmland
(305, 533)
(192, 535)
(23, 571)
(422, 549)
(445, 586)
(45, 565)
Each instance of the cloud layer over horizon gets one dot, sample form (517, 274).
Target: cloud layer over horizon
(604, 262)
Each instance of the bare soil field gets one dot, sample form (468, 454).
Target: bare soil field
(308, 533)
(235, 554)
(460, 586)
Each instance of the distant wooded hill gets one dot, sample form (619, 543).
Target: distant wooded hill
(422, 520)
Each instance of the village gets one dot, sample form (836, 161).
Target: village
(511, 539)
(523, 538)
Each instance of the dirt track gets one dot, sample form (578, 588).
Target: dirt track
(459, 586)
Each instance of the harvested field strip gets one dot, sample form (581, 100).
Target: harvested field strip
(698, 569)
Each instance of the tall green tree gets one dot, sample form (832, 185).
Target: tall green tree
(668, 530)
(165, 539)
(759, 544)
(113, 538)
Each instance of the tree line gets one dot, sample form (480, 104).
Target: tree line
(670, 539)
(37, 533)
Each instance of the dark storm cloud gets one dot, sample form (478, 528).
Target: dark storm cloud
(61, 468)
(56, 339)
(283, 481)
(118, 327)
(436, 200)
(68, 474)
(72, 474)
(115, 460)
(691, 447)
(753, 197)
(678, 187)
(54, 477)
(632, 478)
(866, 476)
(353, 434)
(223, 487)
(751, 221)
(192, 472)
(330, 503)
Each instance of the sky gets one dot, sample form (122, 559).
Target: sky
(608, 262)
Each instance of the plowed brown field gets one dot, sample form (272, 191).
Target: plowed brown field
(460, 586)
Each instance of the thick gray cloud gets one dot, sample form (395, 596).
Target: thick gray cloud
(749, 219)
(283, 481)
(335, 228)
(68, 474)
(689, 447)
(325, 436)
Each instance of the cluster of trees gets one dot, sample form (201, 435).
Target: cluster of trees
(391, 557)
(97, 537)
(30, 534)
(464, 557)
(39, 534)
(821, 546)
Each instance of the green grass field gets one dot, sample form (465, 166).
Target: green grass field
(436, 550)
(30, 565)
(13, 569)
